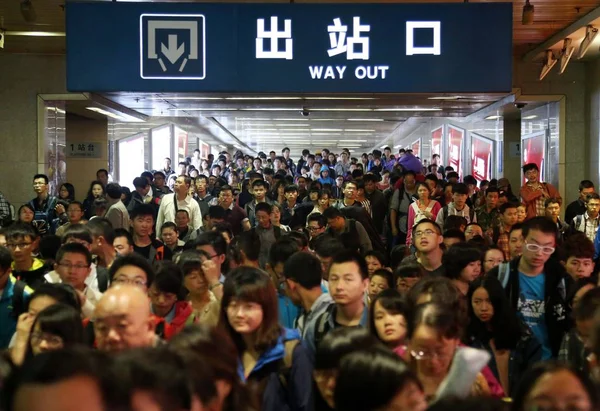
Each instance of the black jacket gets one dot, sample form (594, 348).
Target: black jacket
(555, 298)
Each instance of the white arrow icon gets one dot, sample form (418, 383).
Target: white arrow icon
(172, 52)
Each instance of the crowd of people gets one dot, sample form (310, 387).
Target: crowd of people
(334, 283)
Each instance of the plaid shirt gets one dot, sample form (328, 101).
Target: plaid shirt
(487, 220)
(540, 206)
(4, 210)
(587, 225)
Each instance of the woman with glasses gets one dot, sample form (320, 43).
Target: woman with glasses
(495, 327)
(536, 287)
(272, 360)
(434, 332)
(550, 386)
(58, 326)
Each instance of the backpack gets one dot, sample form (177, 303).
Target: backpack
(287, 362)
(504, 273)
(471, 214)
(321, 327)
(41, 218)
(18, 298)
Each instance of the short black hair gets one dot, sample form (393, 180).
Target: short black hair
(492, 189)
(305, 269)
(319, 218)
(79, 232)
(543, 224)
(62, 293)
(453, 222)
(168, 224)
(265, 207)
(380, 256)
(140, 182)
(518, 226)
(552, 200)
(113, 190)
(585, 184)
(332, 212)
(44, 176)
(326, 246)
(74, 248)
(160, 173)
(460, 188)
(282, 250)
(213, 239)
(49, 245)
(260, 183)
(457, 257)
(249, 243)
(348, 256)
(20, 230)
(507, 206)
(216, 212)
(454, 233)
(340, 342)
(135, 260)
(5, 259)
(169, 278)
(470, 180)
(290, 188)
(435, 225)
(101, 227)
(141, 210)
(587, 305)
(530, 166)
(121, 232)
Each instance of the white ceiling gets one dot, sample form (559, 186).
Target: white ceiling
(265, 122)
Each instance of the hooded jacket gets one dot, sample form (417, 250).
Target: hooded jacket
(328, 179)
(279, 388)
(554, 295)
(183, 309)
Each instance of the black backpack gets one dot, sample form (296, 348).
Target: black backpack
(471, 214)
(18, 298)
(102, 277)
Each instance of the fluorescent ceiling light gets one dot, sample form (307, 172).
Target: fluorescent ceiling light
(260, 129)
(382, 147)
(326, 129)
(358, 129)
(409, 109)
(270, 109)
(290, 119)
(325, 119)
(185, 98)
(293, 129)
(493, 117)
(341, 109)
(398, 146)
(531, 117)
(353, 141)
(263, 98)
(340, 98)
(104, 112)
(36, 33)
(326, 134)
(444, 98)
(292, 125)
(252, 119)
(204, 109)
(365, 119)
(56, 109)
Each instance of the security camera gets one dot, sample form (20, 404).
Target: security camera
(520, 105)
(304, 112)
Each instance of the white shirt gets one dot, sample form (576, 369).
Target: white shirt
(166, 212)
(91, 292)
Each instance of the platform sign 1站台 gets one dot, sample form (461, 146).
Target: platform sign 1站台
(84, 150)
(289, 48)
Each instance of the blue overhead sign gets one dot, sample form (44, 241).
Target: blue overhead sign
(289, 48)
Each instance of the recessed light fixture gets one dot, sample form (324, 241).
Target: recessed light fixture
(262, 98)
(326, 129)
(105, 112)
(444, 98)
(531, 117)
(270, 109)
(341, 109)
(365, 119)
(409, 109)
(36, 33)
(496, 117)
(340, 98)
(366, 130)
(176, 98)
(352, 141)
(204, 109)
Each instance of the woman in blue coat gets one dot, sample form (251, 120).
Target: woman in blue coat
(273, 361)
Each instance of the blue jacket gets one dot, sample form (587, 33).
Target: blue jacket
(328, 179)
(8, 319)
(283, 390)
(288, 311)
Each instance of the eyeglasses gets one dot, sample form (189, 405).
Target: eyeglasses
(534, 248)
(14, 246)
(52, 340)
(122, 280)
(73, 266)
(425, 232)
(313, 228)
(429, 355)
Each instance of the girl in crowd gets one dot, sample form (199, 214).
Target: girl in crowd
(381, 280)
(463, 265)
(424, 207)
(204, 302)
(66, 192)
(276, 211)
(548, 386)
(56, 327)
(278, 192)
(26, 214)
(495, 327)
(375, 260)
(492, 257)
(322, 202)
(335, 345)
(96, 191)
(43, 297)
(521, 213)
(219, 351)
(387, 320)
(376, 379)
(249, 314)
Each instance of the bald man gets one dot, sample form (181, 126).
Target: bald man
(123, 319)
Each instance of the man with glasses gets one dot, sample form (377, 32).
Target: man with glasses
(22, 240)
(75, 215)
(427, 239)
(73, 265)
(535, 285)
(316, 225)
(589, 221)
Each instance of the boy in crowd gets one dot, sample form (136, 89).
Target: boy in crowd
(588, 221)
(259, 194)
(427, 239)
(75, 215)
(348, 282)
(267, 233)
(515, 241)
(123, 242)
(458, 206)
(501, 234)
(142, 222)
(170, 237)
(488, 214)
(576, 256)
(182, 221)
(22, 240)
